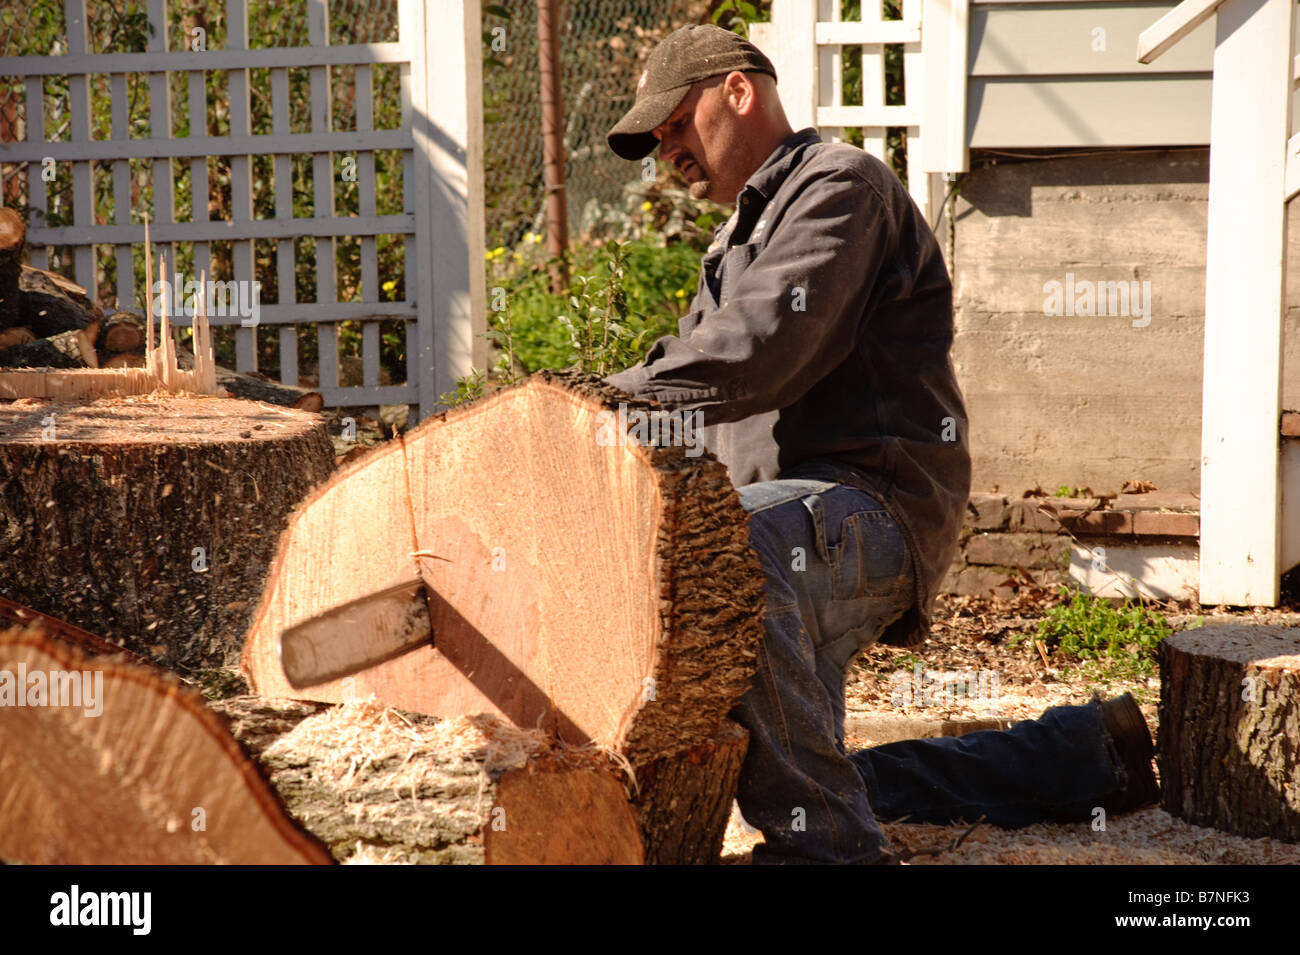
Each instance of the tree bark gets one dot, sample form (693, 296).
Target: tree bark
(1229, 747)
(13, 234)
(50, 304)
(69, 349)
(151, 521)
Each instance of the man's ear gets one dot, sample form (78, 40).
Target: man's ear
(740, 92)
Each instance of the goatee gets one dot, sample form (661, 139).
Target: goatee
(700, 189)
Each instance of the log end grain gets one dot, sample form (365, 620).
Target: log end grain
(104, 762)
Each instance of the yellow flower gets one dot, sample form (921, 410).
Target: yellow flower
(389, 285)
(532, 238)
(647, 206)
(499, 251)
(488, 255)
(680, 293)
(517, 257)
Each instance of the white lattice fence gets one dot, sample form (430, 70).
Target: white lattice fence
(439, 141)
(807, 41)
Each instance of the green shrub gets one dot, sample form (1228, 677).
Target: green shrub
(1092, 630)
(653, 285)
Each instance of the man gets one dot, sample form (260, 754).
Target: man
(816, 352)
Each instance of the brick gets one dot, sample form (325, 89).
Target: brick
(1166, 524)
(1032, 514)
(1096, 523)
(990, 511)
(1008, 550)
(1157, 501)
(972, 581)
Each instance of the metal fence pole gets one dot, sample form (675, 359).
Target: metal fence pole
(552, 95)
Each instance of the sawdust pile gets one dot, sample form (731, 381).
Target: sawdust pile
(1148, 837)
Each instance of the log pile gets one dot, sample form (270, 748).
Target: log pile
(1229, 747)
(49, 322)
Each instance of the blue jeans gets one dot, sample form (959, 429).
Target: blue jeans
(838, 573)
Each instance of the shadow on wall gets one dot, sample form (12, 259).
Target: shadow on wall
(1001, 184)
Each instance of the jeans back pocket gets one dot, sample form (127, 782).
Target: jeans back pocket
(870, 558)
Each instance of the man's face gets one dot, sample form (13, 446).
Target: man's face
(695, 139)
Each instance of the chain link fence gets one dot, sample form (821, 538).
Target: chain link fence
(603, 45)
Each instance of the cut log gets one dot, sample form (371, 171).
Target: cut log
(16, 615)
(70, 349)
(1229, 747)
(160, 373)
(123, 332)
(13, 234)
(607, 593)
(125, 360)
(151, 521)
(253, 386)
(16, 336)
(378, 785)
(104, 763)
(50, 304)
(577, 581)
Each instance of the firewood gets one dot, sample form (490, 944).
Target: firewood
(103, 762)
(16, 336)
(123, 332)
(312, 401)
(1229, 745)
(65, 350)
(50, 304)
(13, 233)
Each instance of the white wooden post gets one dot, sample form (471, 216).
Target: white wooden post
(790, 44)
(944, 25)
(1244, 302)
(447, 123)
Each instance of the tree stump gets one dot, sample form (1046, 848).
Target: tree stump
(1229, 747)
(151, 521)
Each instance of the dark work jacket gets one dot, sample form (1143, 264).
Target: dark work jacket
(817, 345)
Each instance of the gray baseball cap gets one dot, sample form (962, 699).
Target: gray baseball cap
(683, 58)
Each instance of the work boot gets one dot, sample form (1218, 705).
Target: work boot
(1128, 731)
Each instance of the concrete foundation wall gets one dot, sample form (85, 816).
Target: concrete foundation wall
(1088, 400)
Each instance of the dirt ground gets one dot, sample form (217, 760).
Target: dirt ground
(973, 635)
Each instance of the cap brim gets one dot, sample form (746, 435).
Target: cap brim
(632, 137)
